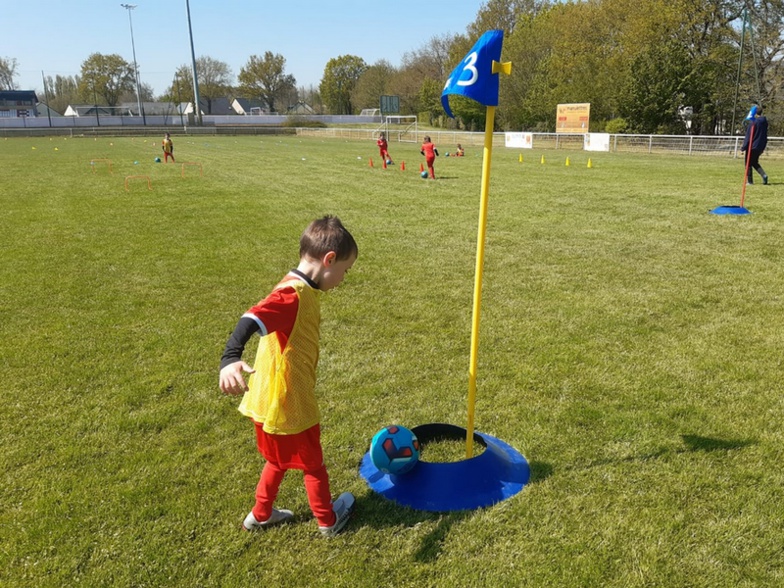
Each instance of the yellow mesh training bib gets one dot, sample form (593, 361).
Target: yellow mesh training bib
(281, 394)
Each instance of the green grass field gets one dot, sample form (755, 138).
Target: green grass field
(631, 348)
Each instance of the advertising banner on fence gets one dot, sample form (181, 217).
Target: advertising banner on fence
(596, 142)
(519, 140)
(573, 118)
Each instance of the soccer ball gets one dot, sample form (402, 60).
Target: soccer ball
(394, 450)
(389, 162)
(157, 160)
(424, 175)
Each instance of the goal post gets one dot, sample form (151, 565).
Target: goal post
(402, 125)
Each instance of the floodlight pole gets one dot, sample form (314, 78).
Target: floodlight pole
(196, 99)
(130, 7)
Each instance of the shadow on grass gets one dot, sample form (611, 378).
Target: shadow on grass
(692, 444)
(376, 511)
(699, 443)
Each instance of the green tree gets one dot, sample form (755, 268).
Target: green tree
(8, 73)
(215, 79)
(422, 71)
(266, 78)
(181, 88)
(504, 15)
(373, 84)
(145, 91)
(341, 75)
(656, 89)
(61, 91)
(104, 78)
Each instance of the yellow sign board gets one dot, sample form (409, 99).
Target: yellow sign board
(573, 118)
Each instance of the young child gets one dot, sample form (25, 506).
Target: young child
(460, 152)
(430, 152)
(280, 395)
(383, 149)
(168, 148)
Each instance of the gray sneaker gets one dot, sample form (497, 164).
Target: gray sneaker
(277, 517)
(343, 507)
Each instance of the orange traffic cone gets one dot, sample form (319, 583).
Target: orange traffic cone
(371, 161)
(402, 166)
(384, 163)
(421, 167)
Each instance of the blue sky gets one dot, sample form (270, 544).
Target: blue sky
(56, 36)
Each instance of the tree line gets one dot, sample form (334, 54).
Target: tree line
(645, 66)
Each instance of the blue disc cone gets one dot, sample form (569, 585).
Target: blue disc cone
(496, 474)
(730, 210)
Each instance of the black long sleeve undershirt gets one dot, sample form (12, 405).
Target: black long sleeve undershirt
(244, 330)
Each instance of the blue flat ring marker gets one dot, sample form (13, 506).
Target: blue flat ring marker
(496, 474)
(730, 210)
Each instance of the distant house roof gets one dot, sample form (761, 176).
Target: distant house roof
(18, 103)
(152, 108)
(216, 106)
(18, 98)
(301, 108)
(248, 105)
(91, 109)
(42, 109)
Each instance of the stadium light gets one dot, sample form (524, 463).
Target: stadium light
(196, 98)
(130, 7)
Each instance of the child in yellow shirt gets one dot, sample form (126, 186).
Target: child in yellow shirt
(280, 394)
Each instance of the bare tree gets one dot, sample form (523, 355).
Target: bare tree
(8, 73)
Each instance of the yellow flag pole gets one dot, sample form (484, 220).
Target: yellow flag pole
(480, 259)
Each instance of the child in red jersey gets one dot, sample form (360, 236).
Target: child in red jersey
(383, 148)
(430, 152)
(280, 394)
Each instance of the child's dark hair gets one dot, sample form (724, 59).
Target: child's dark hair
(324, 235)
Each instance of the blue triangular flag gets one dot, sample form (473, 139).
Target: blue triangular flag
(474, 77)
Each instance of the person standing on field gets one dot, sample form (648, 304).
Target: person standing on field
(168, 148)
(383, 149)
(280, 397)
(430, 152)
(759, 140)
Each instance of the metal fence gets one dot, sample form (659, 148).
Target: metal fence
(722, 146)
(661, 144)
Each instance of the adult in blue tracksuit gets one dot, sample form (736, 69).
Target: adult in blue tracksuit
(759, 141)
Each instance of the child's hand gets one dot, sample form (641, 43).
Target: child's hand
(231, 380)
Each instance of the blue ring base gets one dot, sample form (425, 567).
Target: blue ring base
(730, 210)
(496, 474)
